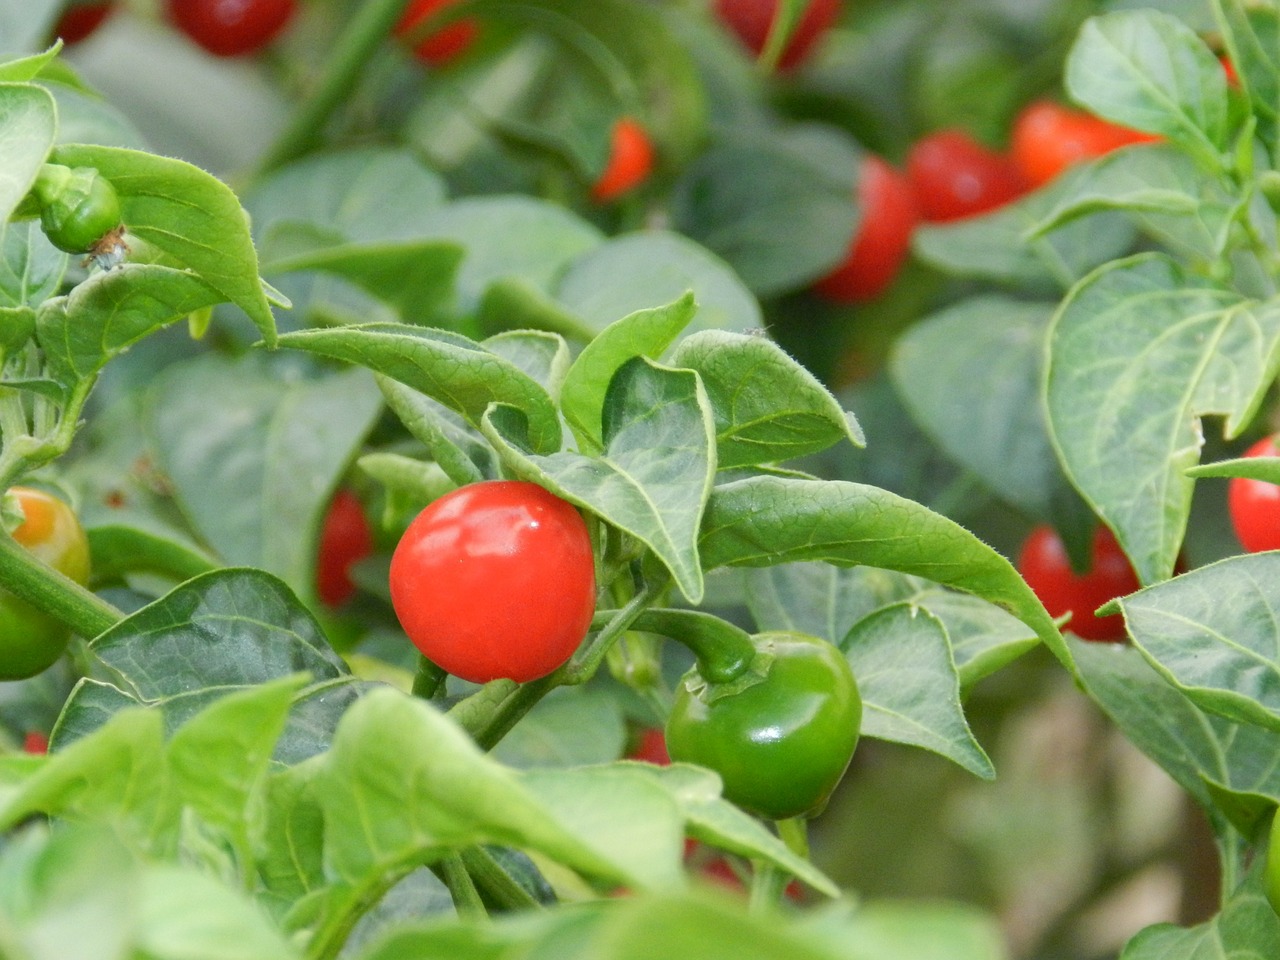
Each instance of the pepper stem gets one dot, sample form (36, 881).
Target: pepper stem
(724, 651)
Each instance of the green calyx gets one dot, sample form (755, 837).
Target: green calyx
(78, 206)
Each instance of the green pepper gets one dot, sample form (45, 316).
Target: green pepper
(78, 207)
(30, 639)
(779, 731)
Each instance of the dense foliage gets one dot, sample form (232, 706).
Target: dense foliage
(790, 376)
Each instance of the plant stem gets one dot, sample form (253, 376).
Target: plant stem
(53, 593)
(494, 882)
(724, 651)
(488, 727)
(429, 679)
(795, 834)
(466, 899)
(366, 32)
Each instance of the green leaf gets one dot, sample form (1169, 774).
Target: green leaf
(119, 549)
(656, 471)
(1231, 769)
(415, 277)
(363, 194)
(229, 628)
(185, 914)
(767, 407)
(1247, 928)
(448, 367)
(56, 884)
(711, 819)
(762, 521)
(17, 326)
(901, 657)
(970, 374)
(1255, 468)
(460, 451)
(572, 727)
(538, 354)
(112, 310)
(280, 435)
(403, 785)
(28, 125)
(637, 271)
(189, 215)
(218, 759)
(621, 811)
(778, 207)
(1161, 187)
(645, 333)
(290, 858)
(509, 237)
(1150, 71)
(1001, 246)
(1214, 634)
(1251, 35)
(116, 775)
(1138, 354)
(31, 268)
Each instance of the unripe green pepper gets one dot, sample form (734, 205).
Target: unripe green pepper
(30, 639)
(780, 733)
(78, 207)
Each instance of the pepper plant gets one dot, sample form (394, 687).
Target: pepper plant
(416, 303)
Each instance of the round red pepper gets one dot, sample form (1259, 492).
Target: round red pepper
(495, 579)
(1254, 505)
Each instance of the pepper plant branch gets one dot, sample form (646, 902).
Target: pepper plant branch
(466, 899)
(367, 31)
(493, 881)
(487, 728)
(49, 591)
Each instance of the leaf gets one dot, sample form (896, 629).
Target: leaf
(509, 237)
(1163, 190)
(116, 775)
(1148, 70)
(112, 310)
(711, 819)
(644, 333)
(637, 271)
(218, 759)
(28, 125)
(119, 549)
(1138, 353)
(1250, 34)
(280, 435)
(1001, 246)
(188, 214)
(460, 451)
(768, 408)
(970, 375)
(1214, 633)
(364, 194)
(31, 268)
(777, 205)
(541, 355)
(1255, 468)
(415, 277)
(1231, 769)
(762, 521)
(571, 727)
(656, 471)
(229, 628)
(402, 785)
(1246, 929)
(448, 367)
(901, 657)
